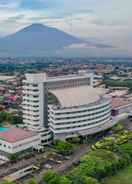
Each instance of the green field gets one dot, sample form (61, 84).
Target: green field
(123, 177)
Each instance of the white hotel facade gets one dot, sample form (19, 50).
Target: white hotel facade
(80, 109)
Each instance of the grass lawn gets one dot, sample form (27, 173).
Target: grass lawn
(123, 177)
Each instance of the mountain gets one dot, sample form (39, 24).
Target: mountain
(36, 38)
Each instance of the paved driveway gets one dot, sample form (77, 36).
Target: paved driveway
(67, 164)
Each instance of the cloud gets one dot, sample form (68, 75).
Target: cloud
(80, 46)
(108, 21)
(103, 23)
(10, 4)
(87, 45)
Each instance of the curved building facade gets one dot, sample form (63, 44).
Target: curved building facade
(77, 108)
(80, 111)
(35, 99)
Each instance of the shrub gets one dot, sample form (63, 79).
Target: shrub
(117, 128)
(6, 182)
(13, 157)
(112, 141)
(82, 179)
(63, 147)
(51, 177)
(31, 181)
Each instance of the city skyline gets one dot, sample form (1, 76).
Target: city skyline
(106, 22)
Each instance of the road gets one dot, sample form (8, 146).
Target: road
(61, 168)
(127, 123)
(74, 159)
(66, 165)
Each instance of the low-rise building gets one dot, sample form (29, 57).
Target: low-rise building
(121, 105)
(15, 140)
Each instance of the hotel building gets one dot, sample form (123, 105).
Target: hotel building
(80, 111)
(77, 108)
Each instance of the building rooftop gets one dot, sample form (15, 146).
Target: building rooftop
(118, 93)
(43, 77)
(6, 77)
(118, 102)
(13, 135)
(77, 96)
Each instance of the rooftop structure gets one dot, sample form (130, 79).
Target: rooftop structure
(119, 102)
(14, 140)
(77, 96)
(6, 77)
(121, 105)
(13, 135)
(118, 93)
(42, 77)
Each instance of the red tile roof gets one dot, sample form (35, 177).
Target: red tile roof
(120, 102)
(13, 135)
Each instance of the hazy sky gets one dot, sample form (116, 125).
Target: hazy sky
(107, 21)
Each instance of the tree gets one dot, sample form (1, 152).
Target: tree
(16, 120)
(51, 177)
(63, 147)
(6, 182)
(126, 148)
(5, 116)
(65, 180)
(118, 127)
(13, 157)
(9, 117)
(89, 180)
(31, 181)
(84, 180)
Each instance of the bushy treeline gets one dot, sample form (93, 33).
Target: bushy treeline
(30, 181)
(106, 158)
(10, 117)
(52, 177)
(101, 162)
(10, 68)
(118, 83)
